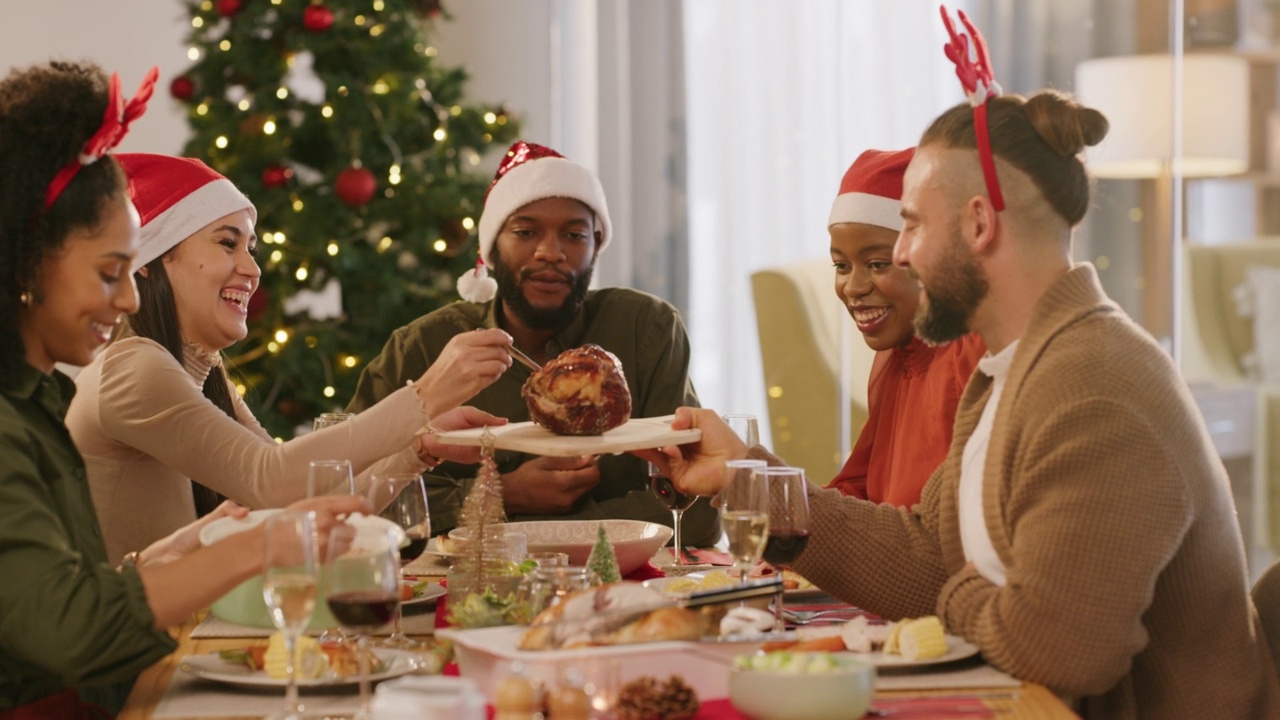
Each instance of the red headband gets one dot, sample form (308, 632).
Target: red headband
(115, 124)
(978, 80)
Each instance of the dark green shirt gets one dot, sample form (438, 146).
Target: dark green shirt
(647, 335)
(67, 618)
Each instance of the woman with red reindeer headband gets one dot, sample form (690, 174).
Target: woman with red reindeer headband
(76, 630)
(1081, 531)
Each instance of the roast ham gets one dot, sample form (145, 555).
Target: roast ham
(582, 391)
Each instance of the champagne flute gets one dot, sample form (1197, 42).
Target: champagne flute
(330, 477)
(788, 520)
(744, 514)
(403, 500)
(363, 574)
(673, 500)
(289, 589)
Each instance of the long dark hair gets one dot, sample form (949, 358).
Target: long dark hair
(47, 112)
(157, 319)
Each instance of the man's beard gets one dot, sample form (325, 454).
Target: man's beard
(513, 298)
(952, 297)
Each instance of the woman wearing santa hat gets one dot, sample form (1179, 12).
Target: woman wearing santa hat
(156, 412)
(914, 388)
(76, 630)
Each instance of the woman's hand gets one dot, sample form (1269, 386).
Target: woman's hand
(432, 451)
(186, 540)
(469, 363)
(330, 511)
(698, 468)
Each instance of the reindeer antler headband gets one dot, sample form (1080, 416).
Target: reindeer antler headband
(978, 80)
(115, 124)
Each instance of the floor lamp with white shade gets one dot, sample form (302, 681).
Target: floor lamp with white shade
(1172, 118)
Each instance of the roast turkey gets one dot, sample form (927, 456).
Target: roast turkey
(620, 613)
(582, 391)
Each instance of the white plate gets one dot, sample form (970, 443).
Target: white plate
(635, 434)
(430, 592)
(212, 667)
(957, 649)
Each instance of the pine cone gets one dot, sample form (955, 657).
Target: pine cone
(645, 699)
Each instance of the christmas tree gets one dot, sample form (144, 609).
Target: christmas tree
(603, 561)
(362, 159)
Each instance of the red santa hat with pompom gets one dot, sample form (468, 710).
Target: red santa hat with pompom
(529, 173)
(871, 191)
(176, 197)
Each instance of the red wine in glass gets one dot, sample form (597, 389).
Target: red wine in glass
(667, 494)
(784, 546)
(413, 549)
(363, 611)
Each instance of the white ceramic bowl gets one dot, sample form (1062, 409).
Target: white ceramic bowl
(838, 695)
(244, 604)
(634, 541)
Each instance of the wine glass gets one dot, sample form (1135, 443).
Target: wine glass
(746, 427)
(330, 477)
(402, 498)
(788, 519)
(289, 589)
(744, 514)
(363, 578)
(675, 501)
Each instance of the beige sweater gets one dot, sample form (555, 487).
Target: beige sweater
(146, 430)
(1112, 514)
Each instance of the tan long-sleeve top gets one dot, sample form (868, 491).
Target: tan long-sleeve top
(146, 431)
(1111, 512)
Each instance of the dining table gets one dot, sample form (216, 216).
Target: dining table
(153, 697)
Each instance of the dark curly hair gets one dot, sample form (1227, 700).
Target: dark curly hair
(47, 112)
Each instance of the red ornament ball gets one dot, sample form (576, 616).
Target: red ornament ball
(355, 186)
(317, 18)
(274, 176)
(182, 88)
(227, 8)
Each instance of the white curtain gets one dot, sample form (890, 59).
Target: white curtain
(781, 97)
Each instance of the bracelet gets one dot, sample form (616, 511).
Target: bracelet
(431, 460)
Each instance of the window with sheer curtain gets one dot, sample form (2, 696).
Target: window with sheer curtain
(780, 98)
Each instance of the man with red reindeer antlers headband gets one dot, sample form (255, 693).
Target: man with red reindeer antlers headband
(545, 222)
(1081, 531)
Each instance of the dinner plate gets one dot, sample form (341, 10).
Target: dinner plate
(635, 434)
(790, 596)
(957, 649)
(429, 593)
(211, 667)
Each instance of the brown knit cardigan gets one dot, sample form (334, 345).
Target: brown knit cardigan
(1107, 504)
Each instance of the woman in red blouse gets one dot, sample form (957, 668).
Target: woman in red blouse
(914, 388)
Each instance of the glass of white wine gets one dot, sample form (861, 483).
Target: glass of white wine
(289, 589)
(744, 514)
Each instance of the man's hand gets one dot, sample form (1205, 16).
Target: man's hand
(698, 468)
(461, 418)
(549, 485)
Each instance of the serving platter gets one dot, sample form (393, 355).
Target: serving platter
(957, 649)
(635, 434)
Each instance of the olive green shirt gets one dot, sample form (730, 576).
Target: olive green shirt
(67, 618)
(647, 335)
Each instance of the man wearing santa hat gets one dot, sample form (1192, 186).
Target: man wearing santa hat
(544, 223)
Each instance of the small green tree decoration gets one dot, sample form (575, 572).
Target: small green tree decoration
(602, 561)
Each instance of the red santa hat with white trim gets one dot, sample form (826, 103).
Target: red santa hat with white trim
(175, 198)
(871, 191)
(529, 173)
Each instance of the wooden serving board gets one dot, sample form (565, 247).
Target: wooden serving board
(635, 434)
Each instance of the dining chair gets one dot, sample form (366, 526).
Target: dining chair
(1266, 597)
